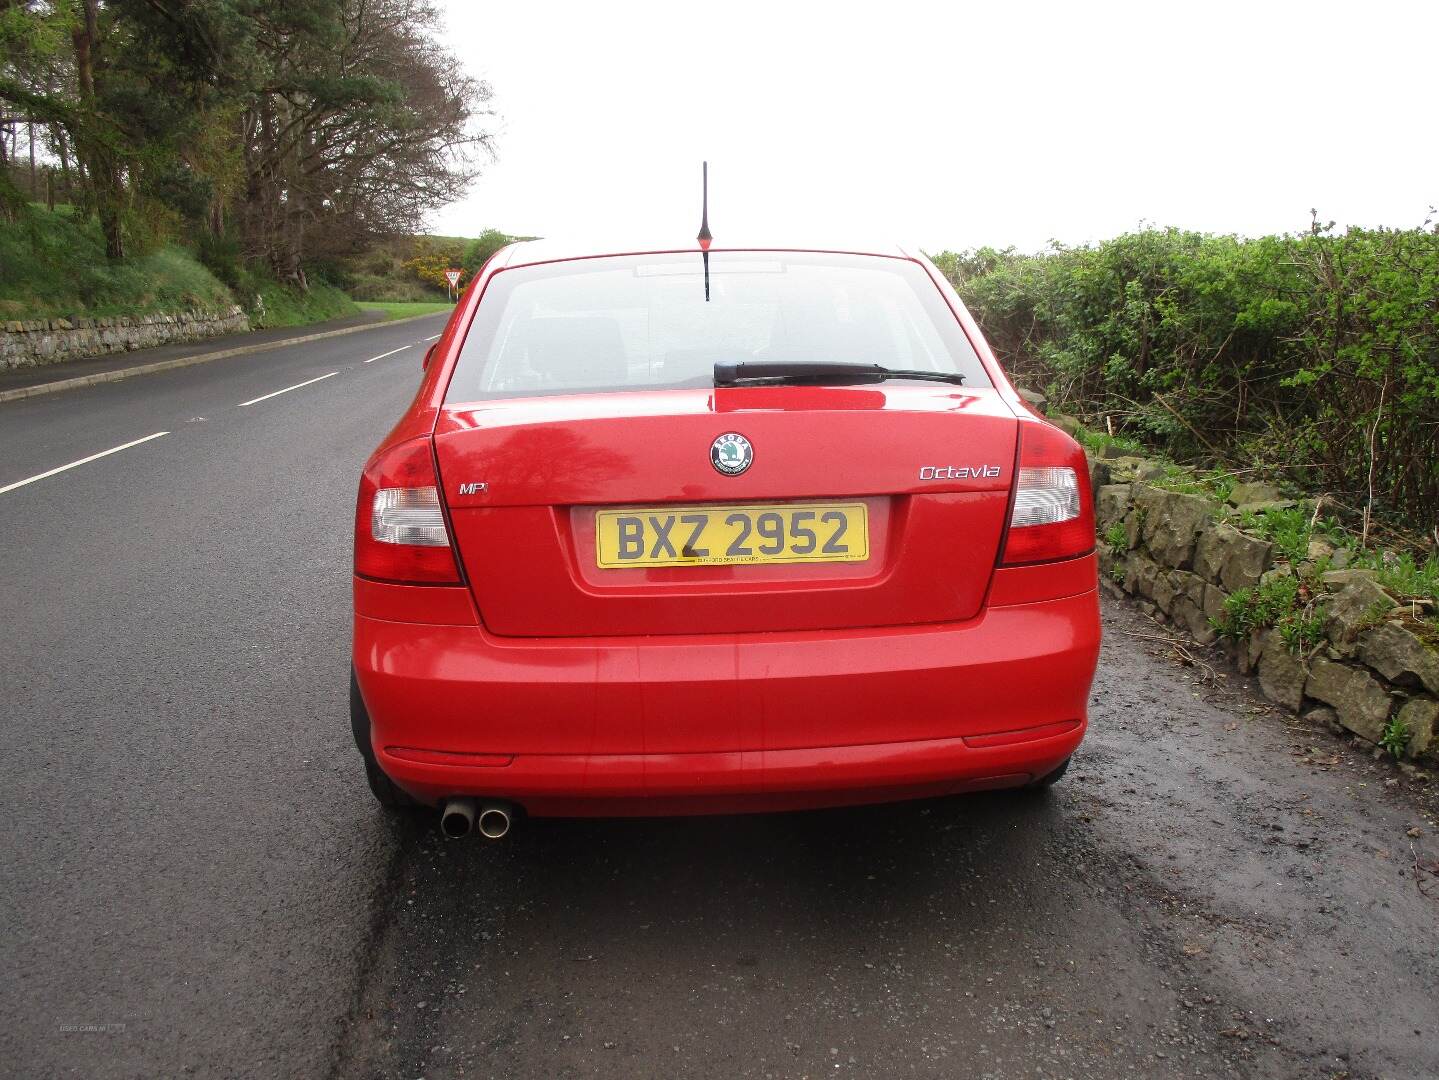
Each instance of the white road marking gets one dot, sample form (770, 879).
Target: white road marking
(277, 393)
(435, 338)
(382, 355)
(82, 461)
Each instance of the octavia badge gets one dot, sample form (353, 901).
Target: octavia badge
(731, 454)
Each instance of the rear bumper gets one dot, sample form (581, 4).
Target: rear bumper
(729, 723)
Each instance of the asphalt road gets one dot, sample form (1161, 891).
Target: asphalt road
(195, 881)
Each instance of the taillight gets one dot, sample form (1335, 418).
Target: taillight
(400, 531)
(1053, 517)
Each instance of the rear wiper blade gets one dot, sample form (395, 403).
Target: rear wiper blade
(816, 372)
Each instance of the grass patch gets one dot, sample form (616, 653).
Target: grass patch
(281, 305)
(1292, 529)
(1281, 602)
(1096, 441)
(1301, 630)
(1250, 609)
(1408, 578)
(1116, 539)
(1214, 485)
(1289, 530)
(1402, 573)
(53, 265)
(1396, 737)
(402, 309)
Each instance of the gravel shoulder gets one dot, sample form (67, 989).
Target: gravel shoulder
(1214, 890)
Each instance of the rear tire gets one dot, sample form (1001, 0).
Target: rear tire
(1050, 779)
(381, 786)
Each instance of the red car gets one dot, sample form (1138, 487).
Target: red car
(675, 531)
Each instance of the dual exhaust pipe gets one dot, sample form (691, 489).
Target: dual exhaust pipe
(461, 816)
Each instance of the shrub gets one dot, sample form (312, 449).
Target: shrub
(478, 250)
(433, 256)
(221, 256)
(1293, 353)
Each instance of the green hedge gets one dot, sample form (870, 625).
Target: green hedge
(1287, 354)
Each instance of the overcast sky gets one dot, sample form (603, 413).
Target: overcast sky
(951, 124)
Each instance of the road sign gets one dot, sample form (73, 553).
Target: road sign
(453, 277)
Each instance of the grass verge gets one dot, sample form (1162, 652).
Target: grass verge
(404, 309)
(283, 306)
(53, 265)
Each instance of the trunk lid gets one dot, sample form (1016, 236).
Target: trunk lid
(524, 480)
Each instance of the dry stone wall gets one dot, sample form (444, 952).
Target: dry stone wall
(29, 343)
(1179, 560)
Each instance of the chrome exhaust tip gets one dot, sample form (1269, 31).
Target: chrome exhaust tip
(457, 818)
(494, 822)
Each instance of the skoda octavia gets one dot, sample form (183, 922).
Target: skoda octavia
(674, 530)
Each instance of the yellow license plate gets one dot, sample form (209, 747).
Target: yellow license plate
(722, 535)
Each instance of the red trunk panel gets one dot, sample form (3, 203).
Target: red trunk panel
(527, 539)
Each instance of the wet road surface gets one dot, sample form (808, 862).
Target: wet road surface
(1209, 892)
(196, 882)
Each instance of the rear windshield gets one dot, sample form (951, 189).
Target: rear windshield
(645, 322)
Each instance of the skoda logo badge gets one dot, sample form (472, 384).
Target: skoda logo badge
(731, 454)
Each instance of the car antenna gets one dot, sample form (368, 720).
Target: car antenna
(705, 237)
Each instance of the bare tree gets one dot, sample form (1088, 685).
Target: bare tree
(355, 137)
